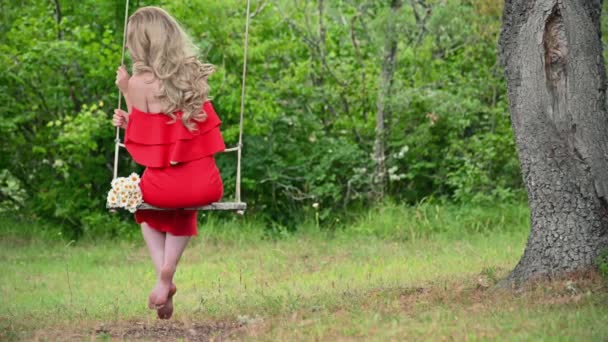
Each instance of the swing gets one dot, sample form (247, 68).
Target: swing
(237, 204)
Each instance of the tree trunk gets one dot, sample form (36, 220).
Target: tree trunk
(556, 80)
(386, 81)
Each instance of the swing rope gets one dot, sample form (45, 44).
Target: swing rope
(237, 195)
(122, 62)
(237, 204)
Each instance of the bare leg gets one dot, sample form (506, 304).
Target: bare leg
(155, 240)
(162, 293)
(156, 245)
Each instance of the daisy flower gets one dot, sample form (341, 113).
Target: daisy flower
(125, 193)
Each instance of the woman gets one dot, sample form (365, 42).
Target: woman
(173, 130)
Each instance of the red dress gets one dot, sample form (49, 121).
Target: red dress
(157, 142)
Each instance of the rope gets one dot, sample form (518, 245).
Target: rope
(122, 62)
(240, 146)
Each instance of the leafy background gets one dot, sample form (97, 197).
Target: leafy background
(309, 115)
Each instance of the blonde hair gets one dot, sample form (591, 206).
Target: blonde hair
(159, 45)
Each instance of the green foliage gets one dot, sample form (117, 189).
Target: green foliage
(12, 194)
(602, 263)
(309, 112)
(429, 218)
(74, 180)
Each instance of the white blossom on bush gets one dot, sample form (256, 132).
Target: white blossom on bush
(393, 176)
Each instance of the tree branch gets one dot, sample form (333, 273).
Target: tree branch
(58, 18)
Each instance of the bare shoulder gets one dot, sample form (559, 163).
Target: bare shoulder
(144, 82)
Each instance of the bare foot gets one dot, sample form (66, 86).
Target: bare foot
(158, 297)
(167, 310)
(160, 294)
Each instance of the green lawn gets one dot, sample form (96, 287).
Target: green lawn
(239, 284)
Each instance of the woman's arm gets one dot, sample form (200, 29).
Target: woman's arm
(121, 117)
(122, 81)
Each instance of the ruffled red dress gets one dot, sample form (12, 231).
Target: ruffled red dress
(180, 167)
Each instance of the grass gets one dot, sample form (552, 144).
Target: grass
(430, 279)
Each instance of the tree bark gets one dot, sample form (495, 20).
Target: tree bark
(556, 81)
(386, 81)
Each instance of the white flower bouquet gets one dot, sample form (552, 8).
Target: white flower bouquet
(125, 193)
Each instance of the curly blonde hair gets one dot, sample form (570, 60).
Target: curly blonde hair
(160, 46)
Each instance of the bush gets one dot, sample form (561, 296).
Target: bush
(602, 264)
(310, 108)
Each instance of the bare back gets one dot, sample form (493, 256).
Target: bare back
(143, 92)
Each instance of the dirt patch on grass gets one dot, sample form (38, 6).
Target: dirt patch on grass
(481, 294)
(147, 331)
(438, 305)
(171, 331)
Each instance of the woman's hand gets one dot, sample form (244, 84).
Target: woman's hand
(120, 118)
(122, 79)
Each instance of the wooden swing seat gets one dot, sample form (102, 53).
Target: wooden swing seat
(238, 206)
